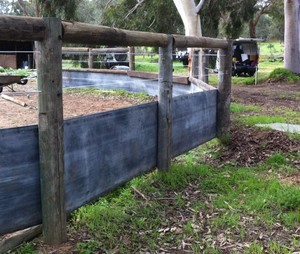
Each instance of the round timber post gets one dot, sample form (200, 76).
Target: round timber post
(224, 93)
(195, 63)
(204, 65)
(51, 138)
(91, 59)
(165, 102)
(131, 58)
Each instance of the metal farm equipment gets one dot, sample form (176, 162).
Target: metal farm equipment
(7, 80)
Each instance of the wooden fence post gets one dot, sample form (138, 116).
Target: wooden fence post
(91, 59)
(224, 93)
(131, 58)
(195, 63)
(165, 106)
(204, 65)
(51, 139)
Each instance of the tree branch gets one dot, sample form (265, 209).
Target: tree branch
(22, 6)
(107, 4)
(139, 2)
(199, 6)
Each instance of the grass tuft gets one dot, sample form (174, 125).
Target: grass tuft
(282, 74)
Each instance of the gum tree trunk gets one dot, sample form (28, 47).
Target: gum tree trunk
(189, 13)
(291, 35)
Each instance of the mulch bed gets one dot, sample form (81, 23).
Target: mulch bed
(251, 145)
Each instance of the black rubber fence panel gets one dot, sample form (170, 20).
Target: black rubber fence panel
(20, 205)
(107, 149)
(194, 120)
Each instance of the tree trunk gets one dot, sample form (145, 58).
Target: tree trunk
(252, 28)
(191, 19)
(291, 35)
(188, 12)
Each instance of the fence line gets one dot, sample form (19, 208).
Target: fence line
(49, 34)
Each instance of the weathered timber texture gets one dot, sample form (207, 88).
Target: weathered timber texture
(14, 240)
(224, 92)
(91, 59)
(201, 84)
(74, 50)
(195, 63)
(165, 101)
(181, 41)
(19, 179)
(151, 75)
(194, 120)
(13, 28)
(204, 66)
(31, 29)
(51, 142)
(131, 58)
(101, 35)
(94, 50)
(107, 149)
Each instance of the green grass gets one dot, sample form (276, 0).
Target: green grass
(239, 194)
(11, 71)
(260, 119)
(271, 49)
(141, 96)
(239, 108)
(291, 117)
(155, 211)
(282, 74)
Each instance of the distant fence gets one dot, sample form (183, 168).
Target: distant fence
(61, 165)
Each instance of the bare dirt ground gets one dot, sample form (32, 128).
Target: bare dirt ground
(251, 145)
(75, 104)
(270, 95)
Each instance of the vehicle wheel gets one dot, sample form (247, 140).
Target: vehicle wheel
(23, 81)
(1, 89)
(251, 73)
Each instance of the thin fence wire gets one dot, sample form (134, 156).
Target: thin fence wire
(145, 55)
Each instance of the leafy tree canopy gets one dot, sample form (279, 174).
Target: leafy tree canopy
(58, 8)
(144, 15)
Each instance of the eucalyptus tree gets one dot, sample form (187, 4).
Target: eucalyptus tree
(51, 8)
(189, 12)
(261, 7)
(143, 15)
(291, 36)
(57, 8)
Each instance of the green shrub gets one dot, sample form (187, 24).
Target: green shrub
(282, 74)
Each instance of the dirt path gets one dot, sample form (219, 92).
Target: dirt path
(270, 95)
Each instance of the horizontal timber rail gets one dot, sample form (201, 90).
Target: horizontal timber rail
(94, 50)
(13, 28)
